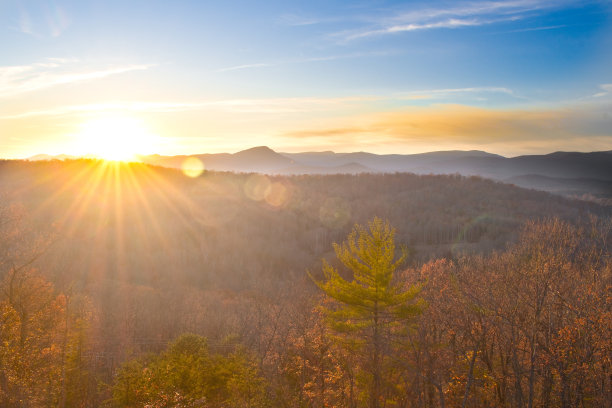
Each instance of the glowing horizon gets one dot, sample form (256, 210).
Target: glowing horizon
(510, 78)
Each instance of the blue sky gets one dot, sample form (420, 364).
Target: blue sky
(512, 77)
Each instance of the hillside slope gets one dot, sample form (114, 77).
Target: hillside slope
(138, 221)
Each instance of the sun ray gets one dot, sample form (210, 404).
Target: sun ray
(82, 174)
(136, 187)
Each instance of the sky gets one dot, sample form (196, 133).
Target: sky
(186, 77)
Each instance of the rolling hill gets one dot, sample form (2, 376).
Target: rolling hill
(586, 175)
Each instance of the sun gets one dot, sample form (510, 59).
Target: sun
(116, 138)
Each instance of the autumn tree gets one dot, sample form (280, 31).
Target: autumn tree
(369, 307)
(316, 371)
(187, 374)
(40, 327)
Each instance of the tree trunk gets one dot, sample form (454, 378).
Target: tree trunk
(470, 377)
(375, 395)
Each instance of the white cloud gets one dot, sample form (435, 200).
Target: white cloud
(261, 105)
(607, 89)
(454, 92)
(311, 59)
(19, 79)
(286, 105)
(97, 108)
(450, 23)
(245, 66)
(466, 14)
(541, 28)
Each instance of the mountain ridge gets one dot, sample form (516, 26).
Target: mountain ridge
(560, 172)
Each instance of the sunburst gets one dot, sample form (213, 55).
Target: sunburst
(116, 138)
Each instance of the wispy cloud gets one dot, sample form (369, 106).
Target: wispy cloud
(300, 20)
(606, 88)
(466, 125)
(288, 105)
(381, 53)
(255, 105)
(466, 14)
(542, 28)
(101, 108)
(25, 22)
(49, 20)
(52, 72)
(246, 66)
(451, 92)
(449, 23)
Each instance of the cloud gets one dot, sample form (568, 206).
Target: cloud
(450, 23)
(262, 105)
(444, 93)
(98, 108)
(15, 80)
(310, 59)
(542, 28)
(297, 20)
(25, 23)
(57, 21)
(464, 125)
(466, 14)
(288, 105)
(606, 88)
(245, 66)
(48, 20)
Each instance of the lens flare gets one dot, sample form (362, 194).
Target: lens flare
(277, 195)
(192, 167)
(257, 187)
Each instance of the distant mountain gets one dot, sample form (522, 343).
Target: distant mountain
(349, 168)
(565, 173)
(260, 159)
(595, 165)
(563, 186)
(50, 157)
(385, 163)
(265, 160)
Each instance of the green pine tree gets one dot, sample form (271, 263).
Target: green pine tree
(369, 309)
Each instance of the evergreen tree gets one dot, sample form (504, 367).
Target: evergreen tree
(369, 309)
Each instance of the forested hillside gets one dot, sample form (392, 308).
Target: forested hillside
(102, 263)
(572, 174)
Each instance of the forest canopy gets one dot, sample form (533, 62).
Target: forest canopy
(135, 286)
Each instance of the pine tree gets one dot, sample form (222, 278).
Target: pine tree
(370, 308)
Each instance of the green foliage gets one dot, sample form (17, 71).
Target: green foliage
(372, 309)
(186, 375)
(373, 297)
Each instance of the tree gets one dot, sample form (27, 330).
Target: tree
(368, 309)
(188, 375)
(317, 373)
(33, 318)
